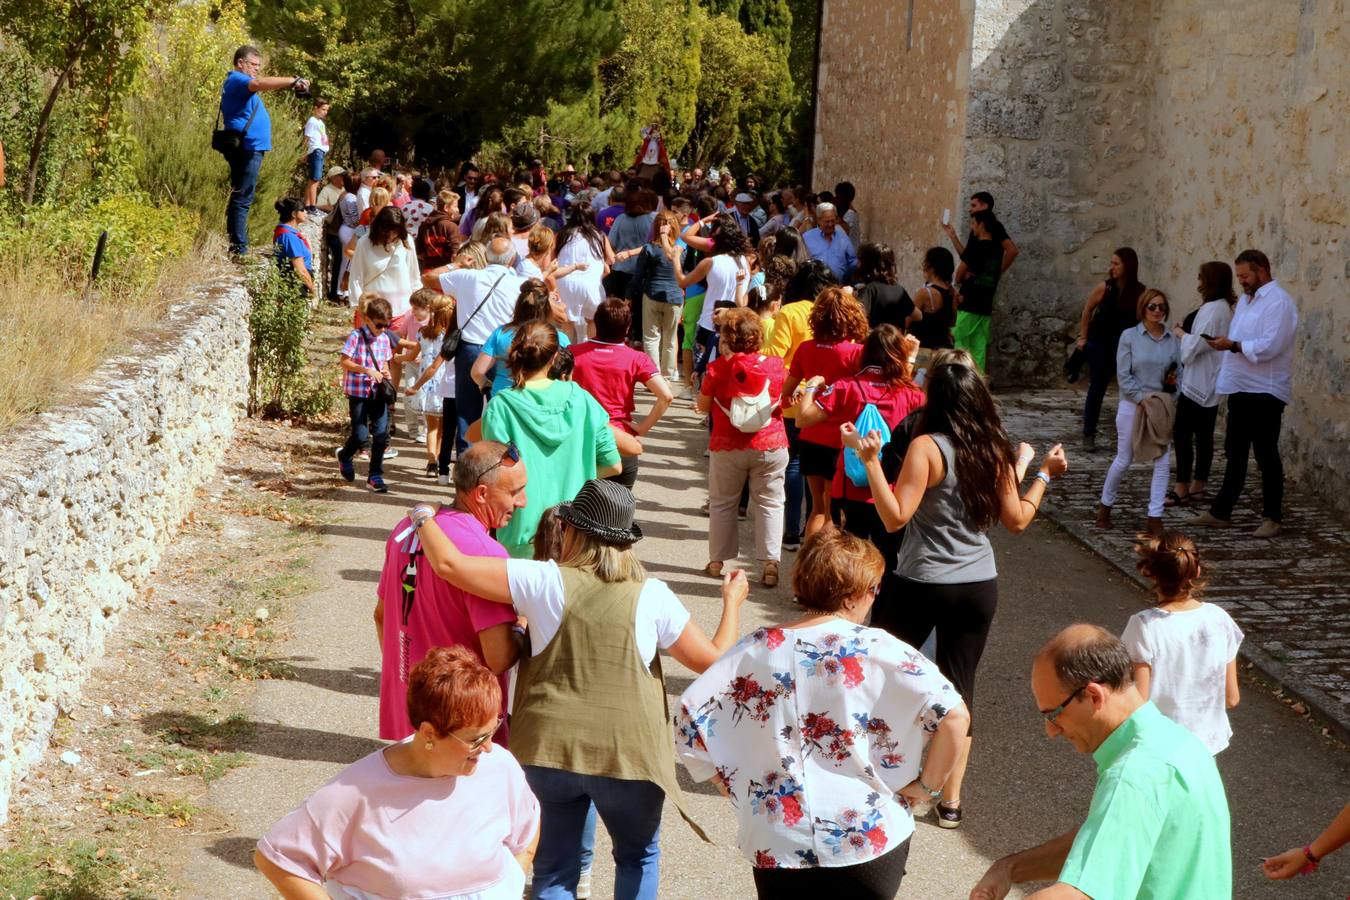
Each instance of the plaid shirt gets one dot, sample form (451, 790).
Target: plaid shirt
(367, 352)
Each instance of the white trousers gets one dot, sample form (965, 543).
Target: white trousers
(1162, 467)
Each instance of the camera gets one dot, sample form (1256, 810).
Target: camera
(302, 88)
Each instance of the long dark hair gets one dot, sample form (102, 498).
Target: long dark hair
(483, 207)
(532, 305)
(788, 242)
(1216, 282)
(581, 220)
(1128, 284)
(884, 350)
(533, 347)
(961, 407)
(811, 277)
(727, 238)
(390, 227)
(876, 263)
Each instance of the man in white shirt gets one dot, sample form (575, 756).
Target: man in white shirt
(368, 178)
(1257, 376)
(484, 300)
(316, 148)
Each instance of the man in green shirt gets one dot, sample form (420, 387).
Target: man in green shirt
(1158, 826)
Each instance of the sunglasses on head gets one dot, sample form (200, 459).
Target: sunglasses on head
(511, 453)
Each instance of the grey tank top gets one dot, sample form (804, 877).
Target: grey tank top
(941, 546)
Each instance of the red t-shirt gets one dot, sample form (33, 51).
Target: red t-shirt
(609, 372)
(834, 361)
(845, 400)
(440, 616)
(721, 386)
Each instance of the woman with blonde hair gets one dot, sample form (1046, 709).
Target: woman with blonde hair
(589, 722)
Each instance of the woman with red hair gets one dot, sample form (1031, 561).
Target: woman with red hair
(440, 814)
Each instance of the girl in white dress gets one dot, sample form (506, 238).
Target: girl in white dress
(427, 393)
(1184, 650)
(584, 247)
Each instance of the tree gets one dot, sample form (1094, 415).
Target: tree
(80, 43)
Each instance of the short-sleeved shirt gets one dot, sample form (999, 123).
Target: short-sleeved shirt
(381, 834)
(814, 731)
(984, 262)
(605, 217)
(844, 401)
(316, 135)
(1158, 827)
(497, 345)
(610, 372)
(237, 102)
(537, 592)
(885, 304)
(369, 351)
(494, 289)
(833, 361)
(439, 614)
(720, 385)
(1188, 652)
(290, 244)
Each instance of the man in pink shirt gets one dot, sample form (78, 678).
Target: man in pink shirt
(489, 488)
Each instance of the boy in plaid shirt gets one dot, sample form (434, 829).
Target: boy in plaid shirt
(365, 363)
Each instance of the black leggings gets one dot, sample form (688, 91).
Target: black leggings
(876, 879)
(448, 422)
(861, 519)
(1194, 423)
(627, 477)
(961, 613)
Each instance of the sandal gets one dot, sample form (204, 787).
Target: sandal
(713, 570)
(1175, 499)
(769, 577)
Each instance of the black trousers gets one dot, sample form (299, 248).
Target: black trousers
(861, 519)
(448, 413)
(960, 613)
(1253, 426)
(1101, 359)
(628, 477)
(876, 879)
(1193, 437)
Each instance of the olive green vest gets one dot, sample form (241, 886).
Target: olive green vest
(587, 704)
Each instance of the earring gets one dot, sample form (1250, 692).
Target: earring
(429, 745)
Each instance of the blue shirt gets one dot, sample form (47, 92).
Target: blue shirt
(497, 346)
(236, 103)
(837, 253)
(1142, 361)
(290, 245)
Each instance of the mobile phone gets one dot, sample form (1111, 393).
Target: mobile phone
(1209, 337)
(946, 217)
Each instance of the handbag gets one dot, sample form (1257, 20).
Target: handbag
(227, 141)
(384, 390)
(454, 334)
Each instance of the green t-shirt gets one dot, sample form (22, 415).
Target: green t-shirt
(1158, 828)
(563, 436)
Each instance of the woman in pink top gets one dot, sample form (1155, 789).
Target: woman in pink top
(441, 814)
(838, 328)
(609, 370)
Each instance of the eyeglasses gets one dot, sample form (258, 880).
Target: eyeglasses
(481, 739)
(1155, 307)
(1053, 714)
(511, 453)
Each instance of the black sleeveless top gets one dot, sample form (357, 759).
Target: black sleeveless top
(934, 330)
(1117, 312)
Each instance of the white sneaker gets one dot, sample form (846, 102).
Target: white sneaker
(442, 479)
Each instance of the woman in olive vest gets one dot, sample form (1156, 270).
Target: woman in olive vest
(590, 722)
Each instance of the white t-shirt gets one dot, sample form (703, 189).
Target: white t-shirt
(1189, 653)
(721, 285)
(537, 593)
(316, 135)
(470, 288)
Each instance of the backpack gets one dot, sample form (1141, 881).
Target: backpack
(750, 412)
(868, 421)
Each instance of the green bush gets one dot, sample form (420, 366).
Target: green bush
(280, 382)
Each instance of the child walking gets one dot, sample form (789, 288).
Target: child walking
(434, 379)
(365, 367)
(1184, 650)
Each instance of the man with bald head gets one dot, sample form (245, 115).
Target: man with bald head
(1158, 825)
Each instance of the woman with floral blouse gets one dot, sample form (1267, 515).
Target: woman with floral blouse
(815, 730)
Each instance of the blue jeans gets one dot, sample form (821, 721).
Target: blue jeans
(370, 422)
(631, 811)
(468, 398)
(243, 182)
(794, 486)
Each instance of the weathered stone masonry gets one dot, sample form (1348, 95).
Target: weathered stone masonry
(90, 494)
(1187, 131)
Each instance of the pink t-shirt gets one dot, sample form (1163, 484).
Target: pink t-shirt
(389, 835)
(441, 615)
(834, 361)
(609, 372)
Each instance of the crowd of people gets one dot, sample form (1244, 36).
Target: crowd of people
(854, 425)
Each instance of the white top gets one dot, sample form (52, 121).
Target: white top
(529, 268)
(721, 285)
(1265, 325)
(1189, 653)
(537, 593)
(363, 197)
(1199, 361)
(393, 274)
(814, 731)
(470, 288)
(854, 224)
(582, 292)
(316, 135)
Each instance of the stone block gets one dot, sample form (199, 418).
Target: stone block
(990, 115)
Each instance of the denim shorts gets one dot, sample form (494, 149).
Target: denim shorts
(315, 161)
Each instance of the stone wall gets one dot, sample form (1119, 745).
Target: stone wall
(89, 495)
(889, 114)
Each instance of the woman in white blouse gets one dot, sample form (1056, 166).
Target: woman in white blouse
(385, 262)
(815, 730)
(1198, 401)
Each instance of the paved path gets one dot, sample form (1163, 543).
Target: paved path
(1281, 775)
(1289, 594)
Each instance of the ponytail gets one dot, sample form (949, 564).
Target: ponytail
(532, 349)
(1171, 562)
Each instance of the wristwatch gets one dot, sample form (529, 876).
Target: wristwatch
(1235, 347)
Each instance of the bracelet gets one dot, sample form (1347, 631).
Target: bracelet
(1313, 860)
(932, 793)
(1044, 477)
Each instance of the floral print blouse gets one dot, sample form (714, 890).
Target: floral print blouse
(813, 731)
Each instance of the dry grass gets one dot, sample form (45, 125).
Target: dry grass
(57, 336)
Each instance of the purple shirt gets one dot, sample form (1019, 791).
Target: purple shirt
(605, 217)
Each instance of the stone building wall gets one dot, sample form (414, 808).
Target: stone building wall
(89, 495)
(889, 112)
(1186, 131)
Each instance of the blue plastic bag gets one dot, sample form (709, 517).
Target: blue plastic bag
(869, 420)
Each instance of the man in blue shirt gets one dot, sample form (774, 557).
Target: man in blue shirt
(831, 246)
(243, 111)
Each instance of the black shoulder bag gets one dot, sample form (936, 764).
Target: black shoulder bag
(384, 389)
(454, 334)
(227, 141)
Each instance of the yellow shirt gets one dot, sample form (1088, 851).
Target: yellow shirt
(791, 326)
